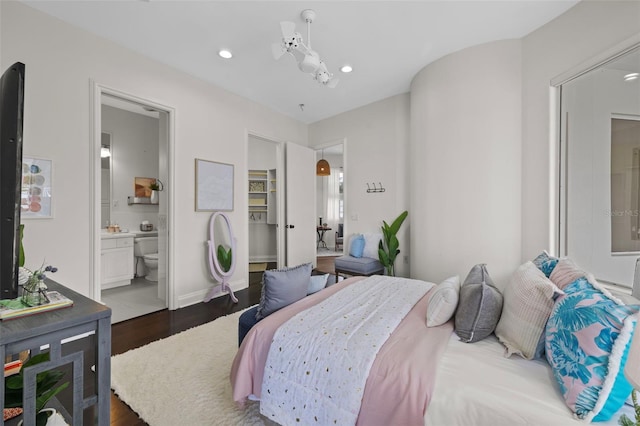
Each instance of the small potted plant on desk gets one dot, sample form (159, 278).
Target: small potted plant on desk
(46, 388)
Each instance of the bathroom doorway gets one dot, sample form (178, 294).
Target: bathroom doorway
(139, 139)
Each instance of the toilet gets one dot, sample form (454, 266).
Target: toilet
(147, 249)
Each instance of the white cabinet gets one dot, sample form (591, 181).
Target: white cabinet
(116, 262)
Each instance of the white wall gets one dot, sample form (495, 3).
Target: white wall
(61, 61)
(465, 163)
(582, 32)
(134, 153)
(377, 138)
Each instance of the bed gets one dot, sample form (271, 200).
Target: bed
(421, 375)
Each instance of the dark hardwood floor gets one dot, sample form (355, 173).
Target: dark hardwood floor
(140, 331)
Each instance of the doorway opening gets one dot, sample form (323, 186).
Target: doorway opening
(330, 202)
(131, 268)
(264, 209)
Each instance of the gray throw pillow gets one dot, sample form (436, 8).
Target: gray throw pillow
(479, 307)
(282, 287)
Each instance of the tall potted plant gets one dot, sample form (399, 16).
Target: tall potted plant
(388, 248)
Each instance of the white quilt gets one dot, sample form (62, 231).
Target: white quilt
(319, 360)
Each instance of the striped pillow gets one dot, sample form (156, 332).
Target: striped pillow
(565, 273)
(528, 302)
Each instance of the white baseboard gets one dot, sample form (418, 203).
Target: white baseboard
(264, 258)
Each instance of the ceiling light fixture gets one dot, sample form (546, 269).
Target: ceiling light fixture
(346, 68)
(322, 167)
(226, 54)
(631, 76)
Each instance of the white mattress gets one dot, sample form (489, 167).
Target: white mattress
(476, 385)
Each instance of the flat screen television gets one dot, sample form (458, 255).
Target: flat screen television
(11, 117)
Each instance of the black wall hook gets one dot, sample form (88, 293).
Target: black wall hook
(375, 188)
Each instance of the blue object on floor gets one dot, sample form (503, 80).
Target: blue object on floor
(246, 321)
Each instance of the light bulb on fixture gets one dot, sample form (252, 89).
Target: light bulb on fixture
(226, 54)
(346, 69)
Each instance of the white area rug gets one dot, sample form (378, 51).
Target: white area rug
(184, 379)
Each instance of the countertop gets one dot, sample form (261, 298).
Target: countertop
(110, 235)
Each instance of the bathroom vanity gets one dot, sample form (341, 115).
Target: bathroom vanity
(116, 265)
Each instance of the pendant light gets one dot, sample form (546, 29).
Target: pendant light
(322, 167)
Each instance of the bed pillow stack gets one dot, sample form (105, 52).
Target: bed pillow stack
(528, 300)
(479, 307)
(587, 341)
(282, 287)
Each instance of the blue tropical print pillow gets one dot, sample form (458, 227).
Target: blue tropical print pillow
(545, 262)
(587, 342)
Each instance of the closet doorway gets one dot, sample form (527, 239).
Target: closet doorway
(264, 192)
(140, 141)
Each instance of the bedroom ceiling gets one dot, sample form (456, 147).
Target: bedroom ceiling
(386, 42)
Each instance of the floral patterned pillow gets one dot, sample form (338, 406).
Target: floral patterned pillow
(587, 341)
(545, 262)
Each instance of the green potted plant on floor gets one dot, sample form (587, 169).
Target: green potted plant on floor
(388, 248)
(46, 388)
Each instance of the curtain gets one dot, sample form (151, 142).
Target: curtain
(332, 211)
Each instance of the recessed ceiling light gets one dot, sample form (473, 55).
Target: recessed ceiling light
(346, 68)
(631, 76)
(226, 54)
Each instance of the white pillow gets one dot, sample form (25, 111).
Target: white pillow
(443, 302)
(371, 242)
(317, 283)
(529, 297)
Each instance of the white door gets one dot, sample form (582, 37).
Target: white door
(300, 221)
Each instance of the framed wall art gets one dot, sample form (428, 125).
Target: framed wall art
(37, 188)
(214, 186)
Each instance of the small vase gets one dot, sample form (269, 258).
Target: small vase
(34, 297)
(154, 197)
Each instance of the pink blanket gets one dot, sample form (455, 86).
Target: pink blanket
(401, 379)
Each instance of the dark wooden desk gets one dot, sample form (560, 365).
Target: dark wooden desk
(51, 328)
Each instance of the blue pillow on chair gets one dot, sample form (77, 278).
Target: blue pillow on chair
(357, 246)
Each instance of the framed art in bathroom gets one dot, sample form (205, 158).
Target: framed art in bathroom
(214, 186)
(37, 188)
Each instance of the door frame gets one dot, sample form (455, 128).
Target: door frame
(345, 217)
(280, 189)
(99, 89)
